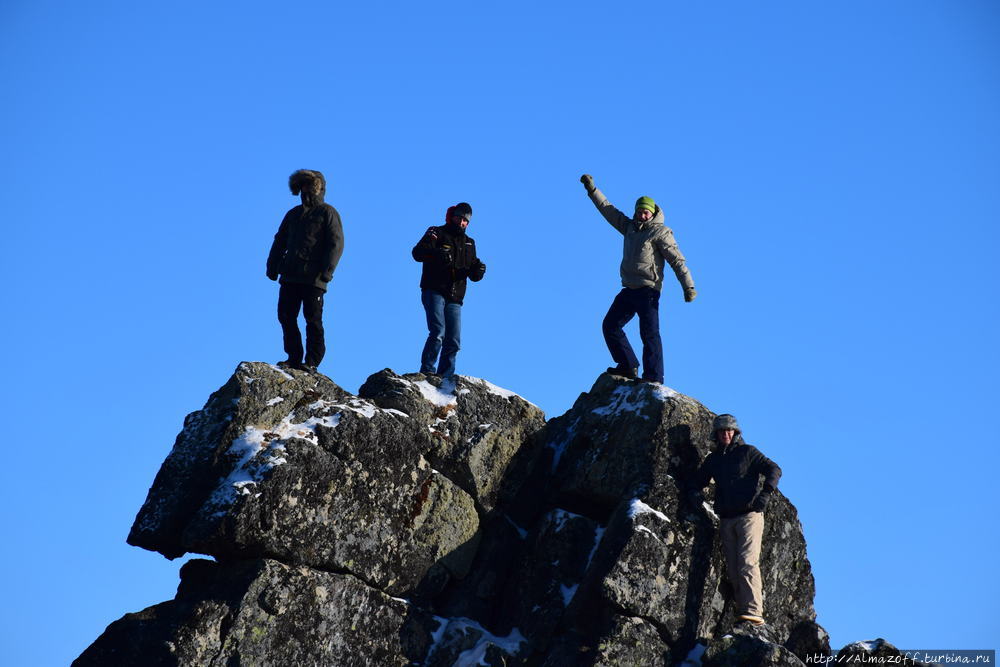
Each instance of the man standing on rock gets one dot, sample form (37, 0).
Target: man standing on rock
(648, 243)
(737, 468)
(448, 256)
(305, 254)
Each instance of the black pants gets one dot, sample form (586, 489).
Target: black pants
(291, 297)
(644, 302)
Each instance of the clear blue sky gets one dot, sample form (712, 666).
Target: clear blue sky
(829, 169)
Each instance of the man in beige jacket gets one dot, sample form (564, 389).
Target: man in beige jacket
(647, 245)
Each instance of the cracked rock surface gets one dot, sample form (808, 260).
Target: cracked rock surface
(429, 523)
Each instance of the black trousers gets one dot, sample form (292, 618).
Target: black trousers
(292, 297)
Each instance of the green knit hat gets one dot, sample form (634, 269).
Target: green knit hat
(646, 203)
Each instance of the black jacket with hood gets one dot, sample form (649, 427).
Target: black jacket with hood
(310, 239)
(736, 470)
(448, 256)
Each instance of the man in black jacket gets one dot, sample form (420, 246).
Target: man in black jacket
(448, 256)
(305, 253)
(740, 500)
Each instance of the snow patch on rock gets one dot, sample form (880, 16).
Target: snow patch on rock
(494, 389)
(622, 400)
(438, 397)
(637, 507)
(559, 517)
(694, 656)
(257, 452)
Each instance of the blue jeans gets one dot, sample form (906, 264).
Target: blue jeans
(644, 302)
(444, 325)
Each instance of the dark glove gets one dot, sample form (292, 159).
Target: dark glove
(588, 182)
(272, 275)
(477, 271)
(760, 502)
(326, 277)
(689, 294)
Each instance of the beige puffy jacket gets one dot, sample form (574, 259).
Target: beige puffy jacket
(647, 245)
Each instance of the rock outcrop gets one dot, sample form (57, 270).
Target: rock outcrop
(429, 524)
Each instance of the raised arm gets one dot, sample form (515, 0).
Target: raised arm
(617, 219)
(667, 247)
(425, 248)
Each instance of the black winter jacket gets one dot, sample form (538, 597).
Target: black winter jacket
(448, 256)
(307, 247)
(736, 470)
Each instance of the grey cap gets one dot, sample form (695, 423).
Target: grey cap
(725, 421)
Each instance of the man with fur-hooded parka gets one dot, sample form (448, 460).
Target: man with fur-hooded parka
(303, 257)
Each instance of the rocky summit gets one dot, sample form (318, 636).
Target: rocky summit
(434, 523)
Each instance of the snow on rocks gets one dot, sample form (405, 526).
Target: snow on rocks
(258, 451)
(623, 399)
(441, 397)
(463, 642)
(639, 507)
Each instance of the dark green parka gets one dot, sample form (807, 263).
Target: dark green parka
(308, 246)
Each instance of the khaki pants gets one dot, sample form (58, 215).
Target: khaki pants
(741, 538)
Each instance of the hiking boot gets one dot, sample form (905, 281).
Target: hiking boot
(620, 371)
(750, 620)
(288, 363)
(312, 370)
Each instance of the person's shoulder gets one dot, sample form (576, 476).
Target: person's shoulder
(663, 232)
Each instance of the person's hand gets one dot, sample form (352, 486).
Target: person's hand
(760, 502)
(327, 276)
(272, 275)
(588, 182)
(689, 294)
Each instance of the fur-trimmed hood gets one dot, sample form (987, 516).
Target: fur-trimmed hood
(308, 182)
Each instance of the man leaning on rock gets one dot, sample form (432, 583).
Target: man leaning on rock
(740, 499)
(304, 255)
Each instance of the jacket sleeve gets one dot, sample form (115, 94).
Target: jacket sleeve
(701, 476)
(335, 243)
(424, 250)
(476, 268)
(278, 247)
(617, 219)
(667, 247)
(766, 467)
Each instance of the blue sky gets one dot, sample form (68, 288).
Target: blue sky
(829, 169)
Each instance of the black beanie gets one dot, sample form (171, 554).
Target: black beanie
(463, 210)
